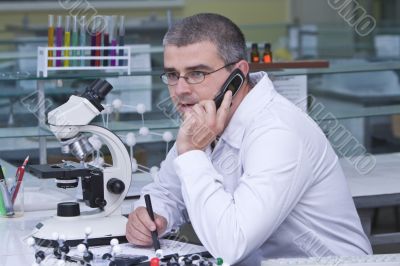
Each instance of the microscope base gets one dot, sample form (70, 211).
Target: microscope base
(103, 230)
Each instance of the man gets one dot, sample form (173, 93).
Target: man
(272, 185)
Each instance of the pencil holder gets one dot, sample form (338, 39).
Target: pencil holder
(12, 198)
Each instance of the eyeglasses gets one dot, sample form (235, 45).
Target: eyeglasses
(191, 77)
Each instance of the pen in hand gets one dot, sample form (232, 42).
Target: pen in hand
(154, 235)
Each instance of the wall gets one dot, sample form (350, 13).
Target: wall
(260, 20)
(335, 37)
(252, 15)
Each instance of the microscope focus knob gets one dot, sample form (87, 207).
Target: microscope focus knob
(116, 186)
(68, 209)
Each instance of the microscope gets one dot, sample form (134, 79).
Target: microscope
(103, 187)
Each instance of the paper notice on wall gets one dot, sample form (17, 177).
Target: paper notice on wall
(294, 88)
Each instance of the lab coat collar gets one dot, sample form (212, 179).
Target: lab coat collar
(253, 102)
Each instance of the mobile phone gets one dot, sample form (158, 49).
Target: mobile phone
(233, 83)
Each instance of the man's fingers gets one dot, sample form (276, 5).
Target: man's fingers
(136, 237)
(135, 225)
(161, 223)
(138, 220)
(198, 112)
(210, 110)
(223, 111)
(140, 225)
(145, 219)
(138, 242)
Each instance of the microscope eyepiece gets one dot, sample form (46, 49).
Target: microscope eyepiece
(97, 91)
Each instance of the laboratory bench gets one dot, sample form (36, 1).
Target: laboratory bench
(380, 187)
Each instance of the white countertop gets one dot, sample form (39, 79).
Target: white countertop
(383, 179)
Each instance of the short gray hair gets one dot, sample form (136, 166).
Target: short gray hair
(215, 28)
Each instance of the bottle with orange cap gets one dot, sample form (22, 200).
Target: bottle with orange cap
(267, 55)
(254, 54)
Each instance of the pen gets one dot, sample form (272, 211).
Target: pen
(25, 161)
(154, 235)
(15, 189)
(18, 180)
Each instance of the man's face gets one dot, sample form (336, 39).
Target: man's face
(202, 56)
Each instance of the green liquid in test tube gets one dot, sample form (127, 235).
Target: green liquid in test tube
(82, 38)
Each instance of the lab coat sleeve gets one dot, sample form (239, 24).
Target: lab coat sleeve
(231, 225)
(165, 193)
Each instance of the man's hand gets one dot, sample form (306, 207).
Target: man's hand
(139, 227)
(202, 124)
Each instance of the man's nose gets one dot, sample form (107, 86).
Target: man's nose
(182, 87)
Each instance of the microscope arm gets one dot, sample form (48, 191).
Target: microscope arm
(121, 168)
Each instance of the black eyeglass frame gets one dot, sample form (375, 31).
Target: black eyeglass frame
(164, 78)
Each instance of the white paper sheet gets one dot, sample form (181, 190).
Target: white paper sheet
(293, 88)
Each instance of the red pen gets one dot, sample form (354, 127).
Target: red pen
(19, 176)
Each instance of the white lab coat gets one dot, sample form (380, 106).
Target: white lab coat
(271, 188)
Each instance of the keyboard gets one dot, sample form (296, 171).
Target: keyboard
(368, 260)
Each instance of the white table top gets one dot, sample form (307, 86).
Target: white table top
(384, 178)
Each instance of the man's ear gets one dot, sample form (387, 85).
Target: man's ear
(243, 65)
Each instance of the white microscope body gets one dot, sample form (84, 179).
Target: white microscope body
(104, 188)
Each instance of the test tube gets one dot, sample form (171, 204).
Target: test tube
(106, 39)
(121, 38)
(50, 39)
(82, 38)
(98, 39)
(59, 38)
(93, 41)
(113, 38)
(74, 39)
(67, 39)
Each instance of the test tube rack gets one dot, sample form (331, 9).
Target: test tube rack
(43, 59)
